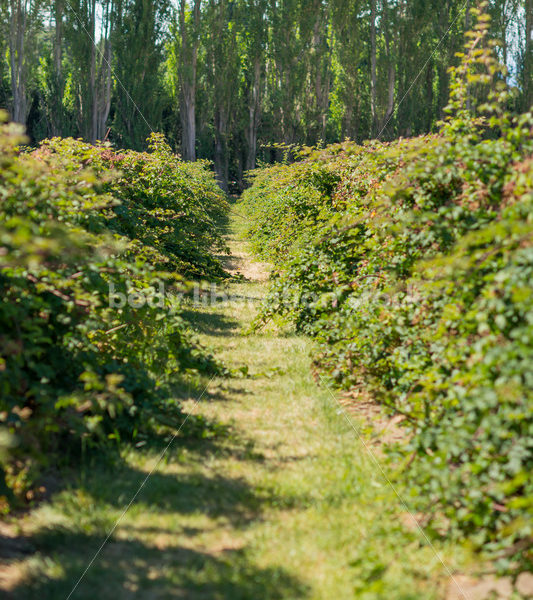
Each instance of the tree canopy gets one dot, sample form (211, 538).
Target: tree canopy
(227, 80)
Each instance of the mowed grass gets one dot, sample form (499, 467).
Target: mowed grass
(275, 498)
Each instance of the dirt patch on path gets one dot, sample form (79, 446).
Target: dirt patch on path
(489, 588)
(385, 428)
(240, 262)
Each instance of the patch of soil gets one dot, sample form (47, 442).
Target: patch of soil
(489, 587)
(12, 545)
(13, 548)
(386, 428)
(241, 263)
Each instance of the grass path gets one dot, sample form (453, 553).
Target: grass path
(282, 503)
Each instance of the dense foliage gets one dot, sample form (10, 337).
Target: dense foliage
(224, 79)
(92, 242)
(411, 263)
(158, 206)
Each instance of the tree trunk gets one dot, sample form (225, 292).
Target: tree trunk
(323, 76)
(254, 115)
(429, 103)
(528, 57)
(373, 68)
(391, 70)
(444, 61)
(390, 96)
(467, 28)
(58, 37)
(18, 23)
(221, 150)
(103, 100)
(187, 79)
(188, 121)
(99, 75)
(92, 75)
(56, 115)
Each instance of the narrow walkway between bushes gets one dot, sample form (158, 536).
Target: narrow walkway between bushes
(275, 499)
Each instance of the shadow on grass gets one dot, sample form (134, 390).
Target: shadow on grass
(131, 569)
(180, 493)
(211, 323)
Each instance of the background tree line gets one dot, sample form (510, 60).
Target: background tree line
(227, 80)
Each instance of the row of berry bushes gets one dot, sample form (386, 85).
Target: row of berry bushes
(92, 349)
(411, 263)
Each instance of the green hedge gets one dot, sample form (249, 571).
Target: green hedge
(411, 263)
(77, 221)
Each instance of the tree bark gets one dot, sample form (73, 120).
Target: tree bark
(99, 75)
(323, 75)
(18, 24)
(254, 116)
(390, 95)
(467, 28)
(429, 102)
(528, 57)
(92, 74)
(373, 67)
(57, 76)
(187, 79)
(221, 150)
(444, 61)
(188, 121)
(103, 100)
(391, 69)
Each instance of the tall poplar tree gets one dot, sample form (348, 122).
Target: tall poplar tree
(187, 43)
(23, 24)
(253, 34)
